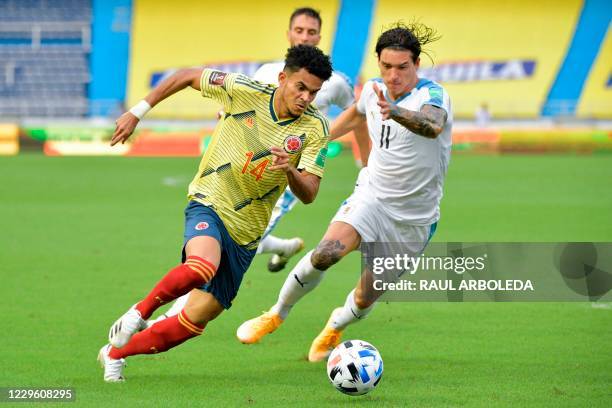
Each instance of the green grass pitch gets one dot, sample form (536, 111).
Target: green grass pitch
(82, 239)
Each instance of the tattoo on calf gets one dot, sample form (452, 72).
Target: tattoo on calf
(328, 252)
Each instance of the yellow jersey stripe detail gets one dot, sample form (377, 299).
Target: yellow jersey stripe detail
(233, 178)
(256, 86)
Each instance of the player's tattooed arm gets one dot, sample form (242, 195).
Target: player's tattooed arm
(428, 122)
(328, 252)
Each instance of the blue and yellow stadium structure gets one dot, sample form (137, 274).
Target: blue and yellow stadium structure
(524, 59)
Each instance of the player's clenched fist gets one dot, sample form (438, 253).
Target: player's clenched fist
(125, 127)
(280, 161)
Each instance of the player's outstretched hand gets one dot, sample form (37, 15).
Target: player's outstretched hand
(125, 127)
(383, 103)
(280, 161)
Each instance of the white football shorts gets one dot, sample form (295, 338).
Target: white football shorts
(368, 216)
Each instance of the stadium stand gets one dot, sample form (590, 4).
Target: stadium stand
(517, 57)
(506, 56)
(44, 49)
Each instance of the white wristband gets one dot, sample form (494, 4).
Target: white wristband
(140, 109)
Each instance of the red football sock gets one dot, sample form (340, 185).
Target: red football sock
(192, 274)
(160, 337)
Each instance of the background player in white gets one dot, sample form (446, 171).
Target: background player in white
(396, 198)
(304, 29)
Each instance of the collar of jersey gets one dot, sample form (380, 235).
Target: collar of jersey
(273, 113)
(419, 85)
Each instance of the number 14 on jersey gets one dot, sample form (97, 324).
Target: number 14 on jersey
(258, 170)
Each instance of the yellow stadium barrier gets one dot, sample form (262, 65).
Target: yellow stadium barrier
(555, 141)
(9, 139)
(206, 33)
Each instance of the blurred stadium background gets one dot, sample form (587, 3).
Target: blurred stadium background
(68, 68)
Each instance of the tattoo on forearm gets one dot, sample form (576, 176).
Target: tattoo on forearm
(428, 122)
(328, 252)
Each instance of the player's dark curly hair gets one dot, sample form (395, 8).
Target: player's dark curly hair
(412, 36)
(310, 58)
(310, 12)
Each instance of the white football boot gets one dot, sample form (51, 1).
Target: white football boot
(113, 369)
(278, 262)
(125, 327)
(175, 309)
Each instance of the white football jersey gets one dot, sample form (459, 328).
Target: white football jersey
(337, 90)
(406, 171)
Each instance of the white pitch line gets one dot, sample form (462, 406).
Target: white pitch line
(602, 305)
(174, 181)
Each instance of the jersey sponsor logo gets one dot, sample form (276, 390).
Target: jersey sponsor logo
(201, 226)
(250, 122)
(292, 144)
(217, 78)
(474, 71)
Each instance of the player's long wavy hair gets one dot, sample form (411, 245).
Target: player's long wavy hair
(411, 36)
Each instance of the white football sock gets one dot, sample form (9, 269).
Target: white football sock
(301, 280)
(272, 244)
(175, 309)
(349, 313)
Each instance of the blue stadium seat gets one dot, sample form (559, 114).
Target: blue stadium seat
(52, 79)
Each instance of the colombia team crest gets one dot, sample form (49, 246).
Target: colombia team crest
(292, 144)
(201, 226)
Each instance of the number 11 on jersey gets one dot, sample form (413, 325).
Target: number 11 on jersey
(384, 136)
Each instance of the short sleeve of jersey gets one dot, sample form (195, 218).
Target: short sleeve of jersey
(219, 86)
(344, 96)
(268, 73)
(361, 104)
(315, 150)
(436, 96)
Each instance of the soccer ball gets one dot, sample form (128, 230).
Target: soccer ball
(355, 367)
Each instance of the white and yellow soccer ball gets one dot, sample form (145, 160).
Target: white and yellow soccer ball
(355, 367)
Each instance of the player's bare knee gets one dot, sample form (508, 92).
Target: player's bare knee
(327, 253)
(204, 247)
(202, 307)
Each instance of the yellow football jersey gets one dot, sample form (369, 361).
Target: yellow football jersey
(233, 177)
